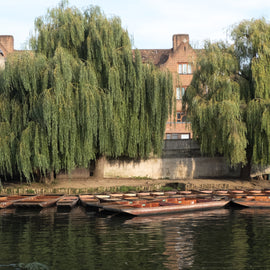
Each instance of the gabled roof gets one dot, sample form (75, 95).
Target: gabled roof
(155, 56)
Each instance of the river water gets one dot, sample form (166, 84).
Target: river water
(78, 239)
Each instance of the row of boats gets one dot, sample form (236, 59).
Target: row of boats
(146, 203)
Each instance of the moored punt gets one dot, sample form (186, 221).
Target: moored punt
(252, 201)
(221, 192)
(116, 195)
(185, 192)
(157, 193)
(254, 191)
(202, 193)
(143, 194)
(39, 201)
(89, 201)
(8, 201)
(67, 201)
(237, 194)
(165, 206)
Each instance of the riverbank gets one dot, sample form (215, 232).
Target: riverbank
(101, 185)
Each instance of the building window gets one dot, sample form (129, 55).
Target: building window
(189, 69)
(181, 117)
(177, 136)
(184, 68)
(178, 117)
(180, 91)
(185, 136)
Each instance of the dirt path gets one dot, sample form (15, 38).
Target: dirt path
(199, 183)
(150, 184)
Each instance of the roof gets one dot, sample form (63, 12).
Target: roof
(155, 56)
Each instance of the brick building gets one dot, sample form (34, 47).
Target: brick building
(180, 60)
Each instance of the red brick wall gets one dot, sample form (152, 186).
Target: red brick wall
(182, 53)
(7, 44)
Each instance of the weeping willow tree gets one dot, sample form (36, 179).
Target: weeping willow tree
(228, 102)
(79, 93)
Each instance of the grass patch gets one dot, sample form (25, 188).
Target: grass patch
(166, 188)
(142, 178)
(125, 189)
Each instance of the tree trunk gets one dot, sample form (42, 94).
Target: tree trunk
(245, 172)
(48, 179)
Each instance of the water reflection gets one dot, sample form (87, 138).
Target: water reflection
(217, 239)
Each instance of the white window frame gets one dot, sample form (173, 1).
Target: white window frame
(184, 68)
(185, 136)
(178, 93)
(189, 69)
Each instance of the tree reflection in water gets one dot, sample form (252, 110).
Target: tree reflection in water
(219, 239)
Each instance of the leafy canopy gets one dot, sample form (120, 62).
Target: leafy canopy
(80, 93)
(228, 101)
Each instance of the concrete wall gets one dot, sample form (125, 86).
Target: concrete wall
(79, 173)
(181, 159)
(173, 168)
(257, 170)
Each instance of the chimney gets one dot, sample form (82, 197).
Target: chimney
(178, 39)
(7, 44)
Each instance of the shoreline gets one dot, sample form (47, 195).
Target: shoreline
(103, 185)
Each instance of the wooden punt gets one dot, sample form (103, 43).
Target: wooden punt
(157, 193)
(170, 193)
(185, 192)
(101, 196)
(165, 206)
(8, 201)
(38, 201)
(202, 193)
(237, 194)
(116, 195)
(67, 201)
(255, 191)
(252, 201)
(89, 201)
(143, 194)
(221, 192)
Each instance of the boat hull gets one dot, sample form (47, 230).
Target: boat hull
(89, 202)
(39, 201)
(166, 208)
(67, 202)
(250, 204)
(8, 201)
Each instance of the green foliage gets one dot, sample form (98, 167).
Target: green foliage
(228, 100)
(79, 94)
